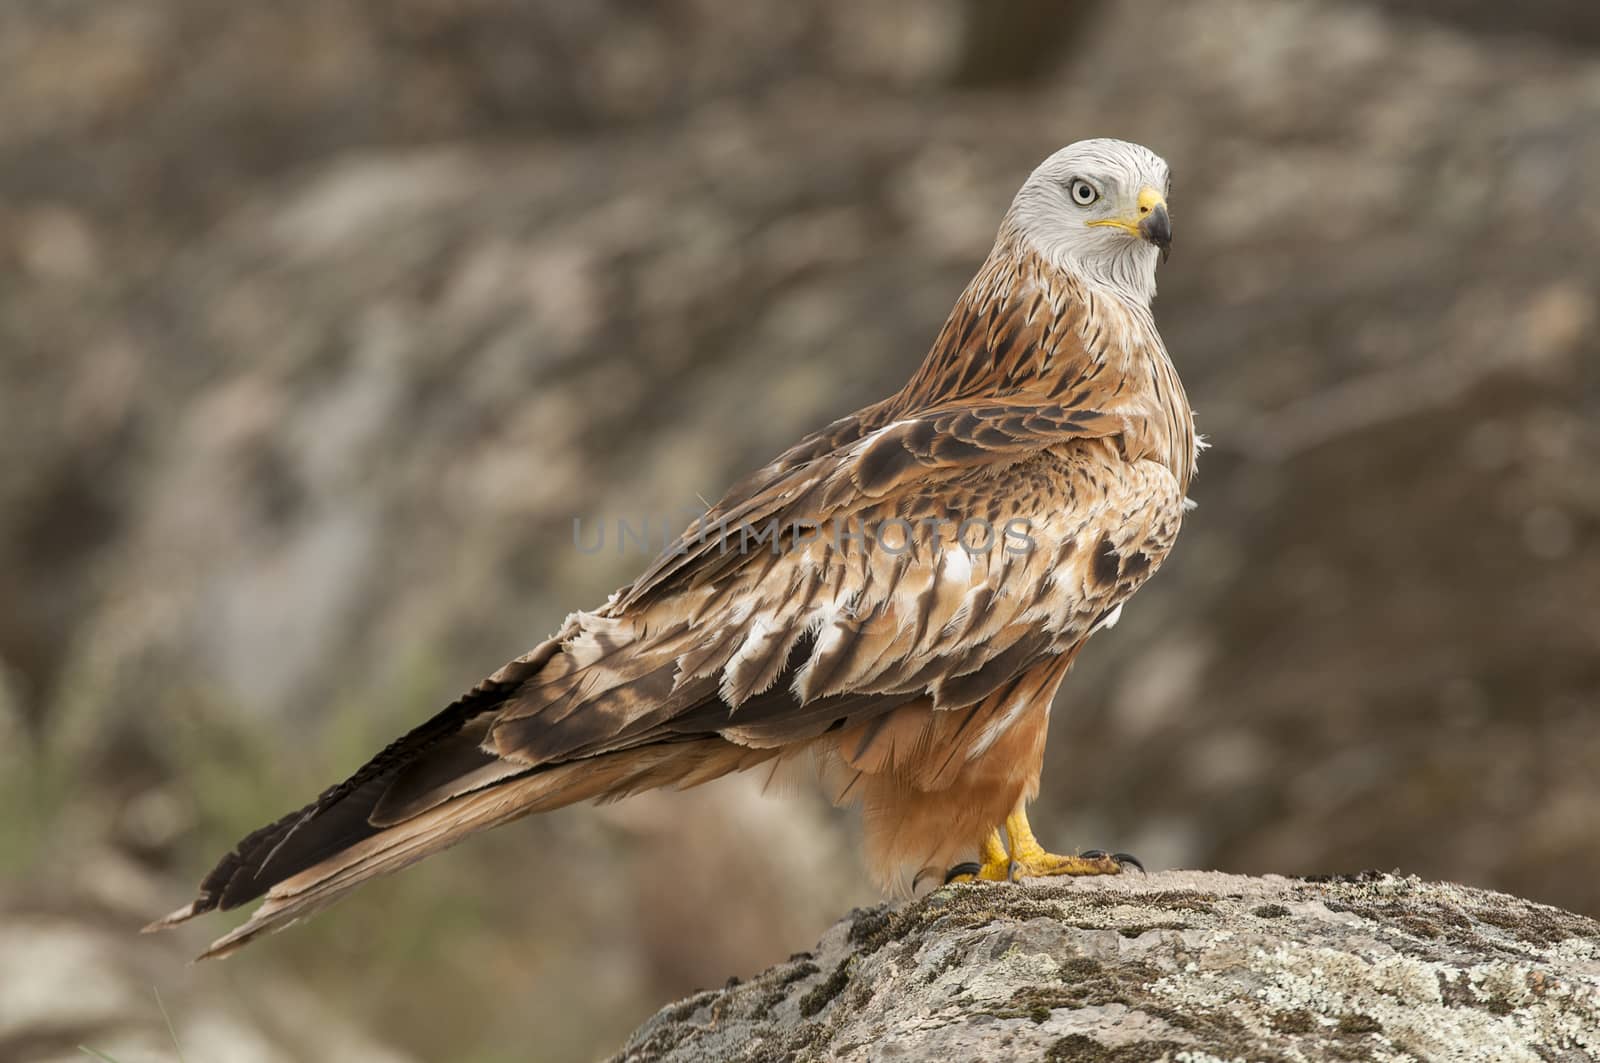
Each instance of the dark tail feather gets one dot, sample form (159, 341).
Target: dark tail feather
(379, 850)
(341, 816)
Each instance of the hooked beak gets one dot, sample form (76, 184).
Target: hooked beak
(1152, 223)
(1156, 226)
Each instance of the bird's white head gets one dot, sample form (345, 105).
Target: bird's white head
(1097, 210)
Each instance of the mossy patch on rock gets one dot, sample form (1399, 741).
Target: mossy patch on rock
(829, 988)
(1080, 1048)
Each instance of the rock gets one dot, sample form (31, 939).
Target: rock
(1180, 965)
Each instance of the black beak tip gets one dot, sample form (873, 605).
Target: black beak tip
(1157, 228)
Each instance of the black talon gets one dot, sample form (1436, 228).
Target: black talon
(968, 868)
(1130, 860)
(1121, 858)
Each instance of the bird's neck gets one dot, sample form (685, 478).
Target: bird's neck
(1025, 330)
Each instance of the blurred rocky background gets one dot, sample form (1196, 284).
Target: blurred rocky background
(321, 321)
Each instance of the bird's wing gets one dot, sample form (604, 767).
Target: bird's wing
(811, 486)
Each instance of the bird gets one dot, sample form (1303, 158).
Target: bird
(892, 603)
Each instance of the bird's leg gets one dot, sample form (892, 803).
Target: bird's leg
(1029, 859)
(995, 865)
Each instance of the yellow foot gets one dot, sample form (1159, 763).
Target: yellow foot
(1029, 859)
(1093, 862)
(995, 867)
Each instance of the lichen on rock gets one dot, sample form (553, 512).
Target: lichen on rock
(1182, 965)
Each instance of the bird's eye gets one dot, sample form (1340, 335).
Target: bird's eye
(1084, 193)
